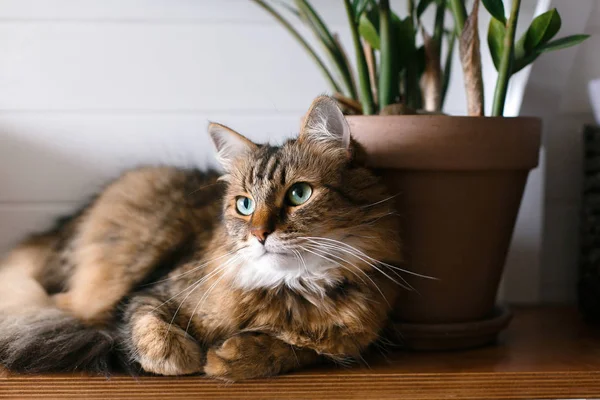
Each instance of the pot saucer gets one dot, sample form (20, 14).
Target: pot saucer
(452, 336)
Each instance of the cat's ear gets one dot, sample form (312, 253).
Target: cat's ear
(230, 144)
(325, 123)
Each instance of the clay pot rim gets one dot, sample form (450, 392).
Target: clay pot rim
(443, 142)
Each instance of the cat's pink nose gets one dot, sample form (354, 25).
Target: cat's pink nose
(261, 233)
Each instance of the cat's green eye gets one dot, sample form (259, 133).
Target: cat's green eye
(299, 193)
(244, 205)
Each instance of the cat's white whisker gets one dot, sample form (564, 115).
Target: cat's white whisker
(345, 268)
(170, 298)
(300, 259)
(315, 238)
(203, 187)
(349, 270)
(314, 251)
(205, 263)
(189, 286)
(381, 201)
(406, 285)
(375, 220)
(195, 286)
(202, 300)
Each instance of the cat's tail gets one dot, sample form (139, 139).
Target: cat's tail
(35, 336)
(51, 340)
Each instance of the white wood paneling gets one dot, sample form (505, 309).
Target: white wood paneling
(172, 11)
(588, 67)
(20, 220)
(58, 157)
(115, 67)
(565, 106)
(86, 63)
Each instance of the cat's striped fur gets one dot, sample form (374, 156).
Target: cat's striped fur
(160, 267)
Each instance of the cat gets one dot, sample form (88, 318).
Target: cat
(285, 260)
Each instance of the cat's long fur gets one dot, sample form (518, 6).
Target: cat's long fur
(160, 267)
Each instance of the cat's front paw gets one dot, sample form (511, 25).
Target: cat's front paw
(164, 349)
(244, 356)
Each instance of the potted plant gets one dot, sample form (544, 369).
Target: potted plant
(458, 181)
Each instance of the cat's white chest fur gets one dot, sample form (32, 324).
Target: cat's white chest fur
(261, 267)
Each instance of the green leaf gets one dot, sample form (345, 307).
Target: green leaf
(496, 9)
(405, 40)
(302, 42)
(408, 60)
(542, 29)
(521, 62)
(332, 48)
(365, 93)
(289, 7)
(422, 6)
(388, 60)
(315, 23)
(369, 31)
(562, 43)
(396, 19)
(448, 66)
(360, 6)
(496, 34)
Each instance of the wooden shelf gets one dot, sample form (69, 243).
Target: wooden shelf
(547, 353)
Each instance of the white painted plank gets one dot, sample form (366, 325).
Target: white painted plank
(172, 11)
(18, 221)
(130, 10)
(84, 65)
(594, 21)
(56, 157)
(160, 10)
(587, 67)
(57, 66)
(531, 249)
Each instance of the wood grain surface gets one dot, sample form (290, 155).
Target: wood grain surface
(547, 353)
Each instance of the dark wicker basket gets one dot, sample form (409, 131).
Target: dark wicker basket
(589, 262)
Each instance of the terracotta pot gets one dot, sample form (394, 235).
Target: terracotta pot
(459, 183)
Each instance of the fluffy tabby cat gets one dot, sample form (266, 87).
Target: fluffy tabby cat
(283, 261)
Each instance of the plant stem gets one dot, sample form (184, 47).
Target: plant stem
(364, 84)
(346, 61)
(460, 14)
(388, 78)
(438, 30)
(438, 39)
(505, 67)
(448, 67)
(303, 43)
(372, 65)
(330, 45)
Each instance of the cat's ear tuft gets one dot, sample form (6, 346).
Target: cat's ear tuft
(230, 144)
(325, 123)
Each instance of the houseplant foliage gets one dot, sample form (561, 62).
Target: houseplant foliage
(457, 180)
(395, 75)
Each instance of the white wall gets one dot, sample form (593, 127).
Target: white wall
(90, 87)
(563, 142)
